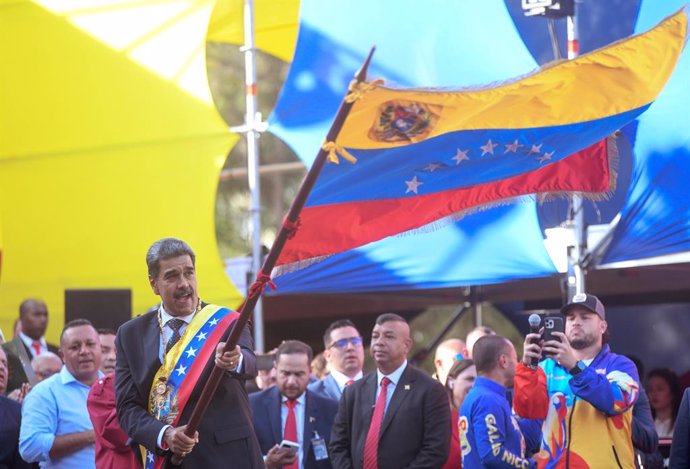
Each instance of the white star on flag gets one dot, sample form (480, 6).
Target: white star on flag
(201, 336)
(181, 370)
(545, 156)
(488, 148)
(512, 147)
(149, 456)
(413, 185)
(214, 322)
(431, 167)
(460, 156)
(191, 352)
(535, 149)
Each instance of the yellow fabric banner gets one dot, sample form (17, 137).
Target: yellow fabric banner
(109, 140)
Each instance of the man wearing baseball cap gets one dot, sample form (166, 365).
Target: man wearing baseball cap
(582, 391)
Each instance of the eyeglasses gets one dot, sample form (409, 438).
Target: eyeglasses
(342, 343)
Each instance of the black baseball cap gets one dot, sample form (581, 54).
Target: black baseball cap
(585, 300)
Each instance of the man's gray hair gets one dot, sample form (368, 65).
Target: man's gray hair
(166, 248)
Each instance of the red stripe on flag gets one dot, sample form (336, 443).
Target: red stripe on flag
(333, 228)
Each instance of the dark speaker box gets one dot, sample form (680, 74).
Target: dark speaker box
(106, 309)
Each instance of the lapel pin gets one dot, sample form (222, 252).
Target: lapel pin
(312, 419)
(407, 387)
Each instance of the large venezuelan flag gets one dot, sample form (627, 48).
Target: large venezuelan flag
(424, 155)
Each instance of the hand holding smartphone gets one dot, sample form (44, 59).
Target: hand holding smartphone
(289, 445)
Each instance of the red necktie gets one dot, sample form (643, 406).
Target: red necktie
(290, 432)
(349, 382)
(37, 347)
(371, 445)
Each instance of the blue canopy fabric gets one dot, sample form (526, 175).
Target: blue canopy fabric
(655, 219)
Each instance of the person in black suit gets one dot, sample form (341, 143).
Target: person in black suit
(314, 414)
(10, 421)
(395, 418)
(28, 344)
(145, 344)
(680, 448)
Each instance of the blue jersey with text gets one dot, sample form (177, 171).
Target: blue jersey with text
(489, 433)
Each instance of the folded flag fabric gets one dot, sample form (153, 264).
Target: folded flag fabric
(408, 158)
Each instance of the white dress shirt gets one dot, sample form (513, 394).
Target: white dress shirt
(394, 377)
(342, 379)
(28, 341)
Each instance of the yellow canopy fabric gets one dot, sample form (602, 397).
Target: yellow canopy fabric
(275, 25)
(109, 140)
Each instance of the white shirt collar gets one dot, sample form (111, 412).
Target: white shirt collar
(342, 379)
(28, 341)
(165, 316)
(301, 399)
(394, 377)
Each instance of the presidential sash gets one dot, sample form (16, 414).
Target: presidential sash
(175, 380)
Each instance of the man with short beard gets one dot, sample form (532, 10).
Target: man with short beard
(583, 392)
(56, 430)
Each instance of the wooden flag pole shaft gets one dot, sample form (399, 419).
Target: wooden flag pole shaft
(264, 276)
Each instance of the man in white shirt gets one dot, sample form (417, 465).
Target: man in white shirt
(344, 352)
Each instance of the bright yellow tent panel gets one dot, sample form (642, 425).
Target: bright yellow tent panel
(275, 25)
(109, 140)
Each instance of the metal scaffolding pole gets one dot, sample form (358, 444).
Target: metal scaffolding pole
(252, 124)
(576, 219)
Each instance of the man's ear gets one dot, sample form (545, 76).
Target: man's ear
(61, 355)
(153, 282)
(604, 326)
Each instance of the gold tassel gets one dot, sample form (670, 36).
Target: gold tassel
(334, 150)
(357, 89)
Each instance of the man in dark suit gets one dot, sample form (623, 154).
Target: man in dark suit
(395, 418)
(29, 343)
(680, 448)
(344, 352)
(313, 413)
(151, 346)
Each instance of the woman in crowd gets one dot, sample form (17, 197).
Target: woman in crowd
(460, 379)
(663, 389)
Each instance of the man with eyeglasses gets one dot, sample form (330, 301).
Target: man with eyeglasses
(344, 352)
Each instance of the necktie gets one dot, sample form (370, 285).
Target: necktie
(175, 325)
(349, 382)
(36, 345)
(371, 445)
(290, 432)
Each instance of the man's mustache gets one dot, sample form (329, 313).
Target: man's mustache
(183, 292)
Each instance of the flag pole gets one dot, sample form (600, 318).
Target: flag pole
(264, 276)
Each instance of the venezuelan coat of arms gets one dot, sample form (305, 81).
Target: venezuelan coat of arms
(404, 121)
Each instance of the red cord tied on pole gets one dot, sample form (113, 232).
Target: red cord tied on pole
(291, 227)
(260, 283)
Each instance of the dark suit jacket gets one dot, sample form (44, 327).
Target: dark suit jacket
(17, 377)
(318, 416)
(225, 433)
(416, 428)
(680, 448)
(10, 420)
(326, 387)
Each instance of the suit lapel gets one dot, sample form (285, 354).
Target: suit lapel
(311, 414)
(152, 340)
(273, 411)
(368, 398)
(332, 388)
(402, 390)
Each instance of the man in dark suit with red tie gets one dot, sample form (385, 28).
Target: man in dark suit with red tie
(395, 418)
(29, 343)
(163, 360)
(288, 411)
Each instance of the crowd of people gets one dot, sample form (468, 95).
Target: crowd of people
(102, 399)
